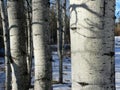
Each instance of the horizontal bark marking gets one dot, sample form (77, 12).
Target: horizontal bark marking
(109, 54)
(73, 28)
(43, 79)
(41, 23)
(83, 83)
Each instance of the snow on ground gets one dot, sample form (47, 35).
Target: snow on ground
(55, 64)
(66, 70)
(117, 62)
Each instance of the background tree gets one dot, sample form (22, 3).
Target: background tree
(16, 18)
(54, 19)
(1, 34)
(29, 42)
(92, 44)
(64, 23)
(117, 29)
(6, 44)
(53, 25)
(60, 38)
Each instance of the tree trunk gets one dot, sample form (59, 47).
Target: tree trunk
(92, 44)
(16, 18)
(59, 39)
(6, 45)
(64, 24)
(29, 40)
(43, 67)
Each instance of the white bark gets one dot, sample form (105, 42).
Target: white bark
(6, 46)
(92, 42)
(16, 18)
(40, 44)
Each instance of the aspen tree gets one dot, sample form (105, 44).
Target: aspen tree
(40, 19)
(16, 18)
(92, 44)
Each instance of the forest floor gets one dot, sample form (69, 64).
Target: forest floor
(66, 70)
(55, 74)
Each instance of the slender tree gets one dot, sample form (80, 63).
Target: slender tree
(53, 25)
(40, 19)
(59, 38)
(92, 44)
(6, 45)
(16, 18)
(29, 39)
(64, 24)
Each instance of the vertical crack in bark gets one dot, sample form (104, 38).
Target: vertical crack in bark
(104, 8)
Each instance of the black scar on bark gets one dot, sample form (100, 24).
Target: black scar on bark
(83, 84)
(73, 28)
(109, 54)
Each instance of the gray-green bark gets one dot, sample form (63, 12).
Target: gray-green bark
(6, 45)
(92, 44)
(40, 9)
(16, 18)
